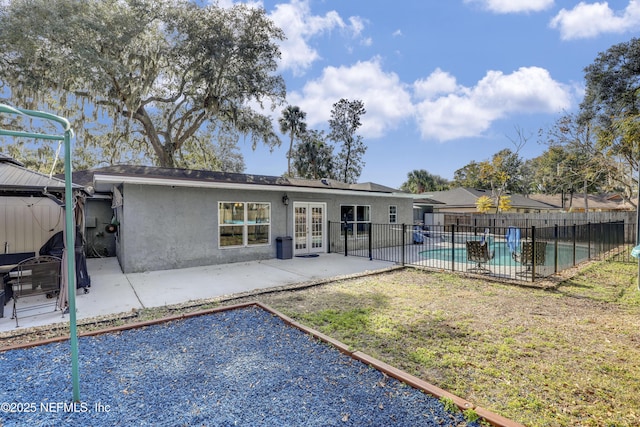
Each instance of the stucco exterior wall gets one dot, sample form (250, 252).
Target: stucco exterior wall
(163, 227)
(379, 210)
(379, 205)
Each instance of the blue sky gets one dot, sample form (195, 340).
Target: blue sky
(444, 82)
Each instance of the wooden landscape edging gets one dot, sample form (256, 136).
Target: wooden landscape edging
(494, 419)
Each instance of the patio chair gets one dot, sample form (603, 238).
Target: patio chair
(529, 257)
(32, 277)
(478, 252)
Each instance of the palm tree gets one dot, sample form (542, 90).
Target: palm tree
(419, 181)
(292, 122)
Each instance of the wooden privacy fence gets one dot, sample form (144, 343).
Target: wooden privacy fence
(538, 251)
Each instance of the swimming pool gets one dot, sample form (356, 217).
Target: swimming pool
(503, 256)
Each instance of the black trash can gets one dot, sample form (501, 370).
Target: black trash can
(284, 247)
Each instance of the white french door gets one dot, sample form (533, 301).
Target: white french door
(309, 225)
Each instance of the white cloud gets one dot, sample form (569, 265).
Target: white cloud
(385, 97)
(300, 26)
(439, 82)
(443, 109)
(449, 111)
(590, 20)
(514, 6)
(357, 24)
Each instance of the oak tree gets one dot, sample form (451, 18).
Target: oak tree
(157, 72)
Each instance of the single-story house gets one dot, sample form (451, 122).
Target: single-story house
(464, 200)
(175, 218)
(576, 202)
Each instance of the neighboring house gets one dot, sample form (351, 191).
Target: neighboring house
(576, 203)
(423, 209)
(31, 207)
(175, 218)
(464, 200)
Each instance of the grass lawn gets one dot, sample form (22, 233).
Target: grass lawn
(563, 357)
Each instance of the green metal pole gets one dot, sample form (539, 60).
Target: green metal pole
(69, 223)
(71, 265)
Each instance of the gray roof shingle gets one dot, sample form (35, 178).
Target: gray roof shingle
(85, 178)
(466, 197)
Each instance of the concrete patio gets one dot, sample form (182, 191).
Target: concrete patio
(115, 292)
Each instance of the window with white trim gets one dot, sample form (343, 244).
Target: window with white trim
(244, 224)
(393, 214)
(355, 220)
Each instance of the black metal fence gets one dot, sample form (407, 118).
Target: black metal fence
(513, 252)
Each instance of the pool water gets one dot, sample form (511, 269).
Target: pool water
(503, 256)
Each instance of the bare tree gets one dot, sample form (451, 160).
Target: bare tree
(344, 123)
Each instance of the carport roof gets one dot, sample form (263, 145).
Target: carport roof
(16, 179)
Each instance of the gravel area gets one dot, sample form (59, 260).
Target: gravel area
(241, 367)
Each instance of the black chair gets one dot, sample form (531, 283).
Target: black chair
(33, 277)
(530, 256)
(11, 261)
(478, 252)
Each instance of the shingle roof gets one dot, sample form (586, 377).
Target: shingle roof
(595, 201)
(86, 178)
(466, 197)
(6, 158)
(372, 186)
(426, 201)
